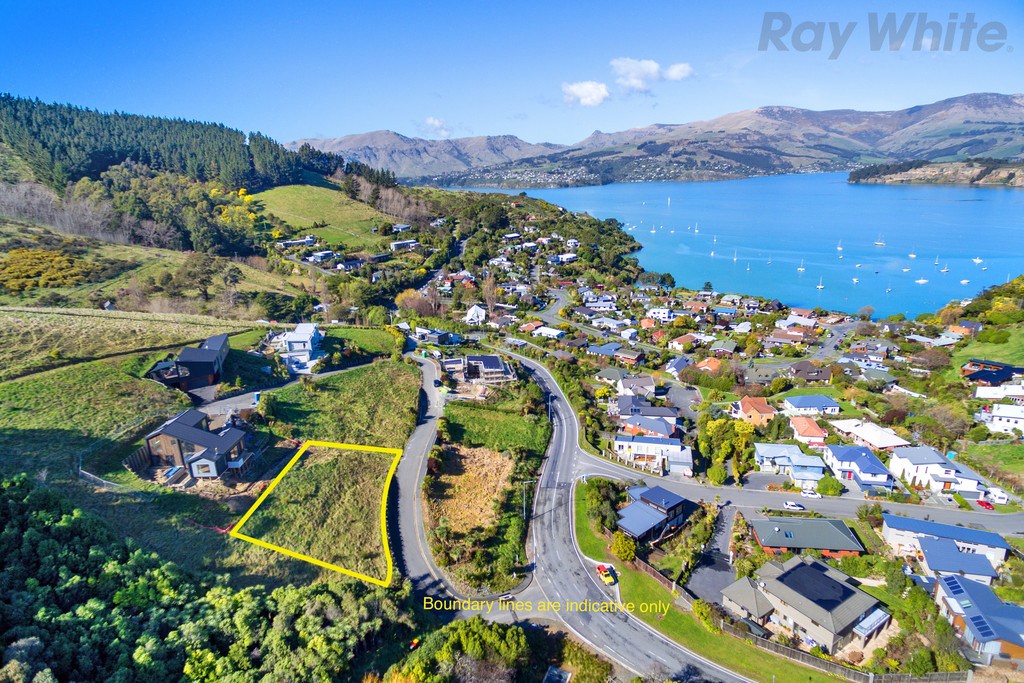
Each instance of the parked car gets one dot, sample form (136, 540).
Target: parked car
(986, 505)
(437, 382)
(606, 573)
(810, 494)
(792, 505)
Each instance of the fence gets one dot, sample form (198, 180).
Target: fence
(841, 670)
(138, 461)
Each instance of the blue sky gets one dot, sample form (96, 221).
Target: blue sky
(544, 71)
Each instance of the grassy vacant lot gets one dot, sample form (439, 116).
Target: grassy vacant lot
(682, 627)
(1010, 352)
(472, 480)
(472, 426)
(1006, 457)
(34, 339)
(373, 406)
(326, 507)
(47, 417)
(373, 342)
(350, 222)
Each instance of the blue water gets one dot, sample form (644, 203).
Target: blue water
(803, 217)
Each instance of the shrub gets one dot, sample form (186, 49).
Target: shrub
(623, 546)
(830, 486)
(703, 611)
(717, 475)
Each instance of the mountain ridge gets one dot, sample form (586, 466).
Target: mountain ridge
(767, 139)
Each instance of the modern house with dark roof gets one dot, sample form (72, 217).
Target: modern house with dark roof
(778, 535)
(195, 367)
(904, 534)
(989, 626)
(185, 441)
(989, 373)
(652, 510)
(480, 369)
(859, 464)
(649, 426)
(819, 604)
(654, 453)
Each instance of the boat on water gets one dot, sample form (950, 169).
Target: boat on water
(888, 289)
(769, 259)
(840, 257)
(880, 242)
(733, 254)
(855, 280)
(965, 282)
(748, 266)
(653, 231)
(945, 269)
(857, 266)
(801, 266)
(936, 259)
(839, 247)
(712, 253)
(984, 267)
(672, 232)
(905, 270)
(977, 259)
(820, 285)
(911, 255)
(715, 239)
(921, 281)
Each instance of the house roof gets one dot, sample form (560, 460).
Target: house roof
(795, 532)
(806, 426)
(783, 453)
(811, 401)
(860, 457)
(195, 354)
(943, 555)
(878, 437)
(668, 442)
(657, 425)
(712, 364)
(926, 455)
(745, 594)
(957, 533)
(819, 592)
(986, 616)
(188, 418)
(608, 349)
(663, 497)
(755, 404)
(638, 518)
(614, 374)
(488, 362)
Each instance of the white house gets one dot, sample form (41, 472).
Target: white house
(805, 470)
(1002, 417)
(925, 466)
(548, 332)
(655, 453)
(869, 435)
(796, 321)
(664, 315)
(903, 534)
(635, 386)
(1014, 392)
(628, 333)
(299, 346)
(476, 315)
(857, 463)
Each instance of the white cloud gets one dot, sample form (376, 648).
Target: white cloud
(635, 75)
(678, 72)
(587, 93)
(436, 126)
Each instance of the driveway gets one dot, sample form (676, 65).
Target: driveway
(713, 571)
(758, 481)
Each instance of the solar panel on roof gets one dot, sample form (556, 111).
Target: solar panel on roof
(953, 586)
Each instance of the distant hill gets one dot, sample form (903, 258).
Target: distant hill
(409, 157)
(766, 140)
(975, 173)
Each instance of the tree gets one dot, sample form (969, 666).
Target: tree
(490, 292)
(708, 287)
(717, 475)
(829, 486)
(866, 312)
(623, 546)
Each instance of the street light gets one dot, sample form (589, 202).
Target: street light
(531, 481)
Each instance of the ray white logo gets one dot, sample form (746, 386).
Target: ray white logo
(890, 32)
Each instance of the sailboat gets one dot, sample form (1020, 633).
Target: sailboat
(888, 289)
(880, 242)
(820, 285)
(855, 280)
(715, 240)
(840, 257)
(936, 259)
(945, 269)
(921, 281)
(712, 252)
(965, 282)
(911, 255)
(801, 268)
(769, 259)
(748, 267)
(734, 255)
(839, 247)
(905, 270)
(976, 259)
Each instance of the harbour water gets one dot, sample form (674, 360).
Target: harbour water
(753, 236)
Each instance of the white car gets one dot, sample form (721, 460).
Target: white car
(791, 505)
(810, 494)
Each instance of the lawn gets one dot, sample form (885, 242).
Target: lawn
(350, 222)
(866, 535)
(682, 627)
(1010, 352)
(326, 507)
(373, 342)
(48, 417)
(372, 405)
(499, 430)
(39, 339)
(1007, 457)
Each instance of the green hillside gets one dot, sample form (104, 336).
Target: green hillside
(320, 201)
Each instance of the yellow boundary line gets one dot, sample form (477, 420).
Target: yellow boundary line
(236, 530)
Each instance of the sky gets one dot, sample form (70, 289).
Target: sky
(544, 71)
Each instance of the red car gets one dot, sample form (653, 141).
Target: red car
(985, 504)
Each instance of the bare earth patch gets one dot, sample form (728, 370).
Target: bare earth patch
(473, 479)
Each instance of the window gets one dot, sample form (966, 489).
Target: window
(788, 534)
(203, 469)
